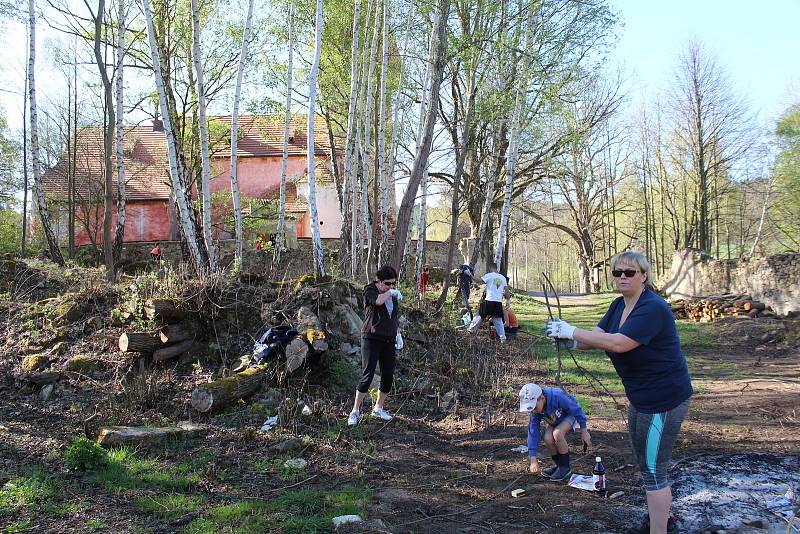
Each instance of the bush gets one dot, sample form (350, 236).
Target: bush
(85, 455)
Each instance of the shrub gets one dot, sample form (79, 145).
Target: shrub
(85, 455)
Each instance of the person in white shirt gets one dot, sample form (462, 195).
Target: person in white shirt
(491, 306)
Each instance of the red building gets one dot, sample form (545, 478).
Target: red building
(150, 212)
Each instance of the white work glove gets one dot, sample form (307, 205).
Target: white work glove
(398, 342)
(396, 294)
(564, 344)
(560, 329)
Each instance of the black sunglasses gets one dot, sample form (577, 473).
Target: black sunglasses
(389, 282)
(629, 273)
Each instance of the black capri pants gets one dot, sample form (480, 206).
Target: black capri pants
(374, 351)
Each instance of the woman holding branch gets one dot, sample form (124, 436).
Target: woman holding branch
(639, 335)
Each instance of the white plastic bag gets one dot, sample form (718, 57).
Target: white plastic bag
(398, 342)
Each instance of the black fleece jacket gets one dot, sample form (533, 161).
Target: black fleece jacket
(377, 322)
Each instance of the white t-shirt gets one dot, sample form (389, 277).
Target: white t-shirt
(495, 284)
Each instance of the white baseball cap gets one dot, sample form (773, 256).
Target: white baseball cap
(528, 396)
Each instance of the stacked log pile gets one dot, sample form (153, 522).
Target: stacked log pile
(714, 307)
(174, 338)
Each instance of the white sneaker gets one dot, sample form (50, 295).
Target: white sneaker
(382, 414)
(353, 418)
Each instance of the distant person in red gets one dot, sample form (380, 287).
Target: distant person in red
(155, 253)
(423, 282)
(258, 245)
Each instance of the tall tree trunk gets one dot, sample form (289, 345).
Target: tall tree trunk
(201, 111)
(119, 237)
(44, 214)
(764, 209)
(422, 226)
(367, 147)
(108, 139)
(237, 205)
(349, 145)
(186, 223)
(382, 159)
(319, 258)
(25, 184)
(279, 238)
(421, 158)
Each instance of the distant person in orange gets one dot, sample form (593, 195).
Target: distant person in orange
(155, 252)
(510, 322)
(423, 282)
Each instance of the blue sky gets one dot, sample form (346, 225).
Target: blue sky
(758, 43)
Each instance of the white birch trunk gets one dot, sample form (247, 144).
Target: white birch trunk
(384, 197)
(366, 160)
(41, 201)
(201, 111)
(347, 236)
(356, 237)
(279, 238)
(513, 138)
(319, 258)
(764, 209)
(119, 236)
(237, 205)
(183, 208)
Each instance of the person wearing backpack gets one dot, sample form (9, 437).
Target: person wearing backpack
(378, 338)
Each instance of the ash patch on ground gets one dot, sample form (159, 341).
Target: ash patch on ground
(732, 492)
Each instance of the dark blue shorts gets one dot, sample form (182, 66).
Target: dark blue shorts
(653, 436)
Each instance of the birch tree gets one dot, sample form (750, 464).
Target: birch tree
(349, 145)
(201, 111)
(367, 155)
(119, 235)
(44, 214)
(422, 226)
(384, 182)
(185, 222)
(437, 60)
(279, 238)
(319, 258)
(237, 205)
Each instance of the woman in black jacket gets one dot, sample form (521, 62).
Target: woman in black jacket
(381, 316)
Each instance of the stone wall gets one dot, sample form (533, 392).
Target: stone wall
(774, 280)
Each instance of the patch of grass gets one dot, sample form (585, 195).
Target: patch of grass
(127, 470)
(169, 506)
(695, 336)
(66, 509)
(23, 525)
(39, 488)
(304, 510)
(95, 524)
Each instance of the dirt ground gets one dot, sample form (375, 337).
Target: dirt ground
(432, 470)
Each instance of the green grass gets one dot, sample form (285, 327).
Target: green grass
(169, 506)
(303, 510)
(94, 524)
(39, 488)
(127, 470)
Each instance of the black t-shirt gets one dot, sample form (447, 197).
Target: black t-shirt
(655, 374)
(378, 323)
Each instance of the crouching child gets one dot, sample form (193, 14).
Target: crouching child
(560, 412)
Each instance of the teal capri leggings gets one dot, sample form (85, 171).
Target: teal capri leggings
(652, 437)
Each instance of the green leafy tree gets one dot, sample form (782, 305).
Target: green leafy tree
(787, 178)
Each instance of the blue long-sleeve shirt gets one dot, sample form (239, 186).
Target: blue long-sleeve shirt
(558, 407)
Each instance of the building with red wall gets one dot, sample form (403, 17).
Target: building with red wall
(150, 212)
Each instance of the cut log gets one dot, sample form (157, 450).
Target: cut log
(124, 435)
(220, 393)
(753, 313)
(296, 354)
(144, 342)
(174, 333)
(43, 378)
(754, 305)
(310, 328)
(165, 311)
(172, 350)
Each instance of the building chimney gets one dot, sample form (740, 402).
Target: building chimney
(158, 125)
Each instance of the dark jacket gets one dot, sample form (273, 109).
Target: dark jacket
(377, 322)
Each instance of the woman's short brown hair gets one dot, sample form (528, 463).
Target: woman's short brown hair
(634, 258)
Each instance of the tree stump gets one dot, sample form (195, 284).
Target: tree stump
(166, 311)
(220, 393)
(143, 342)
